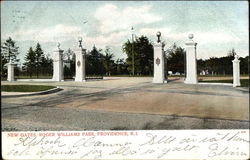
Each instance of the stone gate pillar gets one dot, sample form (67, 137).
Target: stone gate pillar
(159, 73)
(58, 65)
(236, 71)
(191, 64)
(11, 74)
(80, 65)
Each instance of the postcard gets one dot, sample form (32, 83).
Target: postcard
(125, 79)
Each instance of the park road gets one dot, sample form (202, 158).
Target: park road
(126, 103)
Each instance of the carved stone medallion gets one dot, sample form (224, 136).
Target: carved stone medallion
(78, 63)
(157, 61)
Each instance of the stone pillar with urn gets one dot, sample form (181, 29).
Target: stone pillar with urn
(159, 73)
(236, 71)
(58, 65)
(191, 64)
(80, 54)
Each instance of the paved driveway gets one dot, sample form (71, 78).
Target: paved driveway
(127, 103)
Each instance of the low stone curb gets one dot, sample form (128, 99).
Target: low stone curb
(221, 84)
(50, 91)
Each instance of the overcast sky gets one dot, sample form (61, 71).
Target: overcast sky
(217, 26)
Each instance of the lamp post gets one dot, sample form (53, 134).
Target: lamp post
(133, 56)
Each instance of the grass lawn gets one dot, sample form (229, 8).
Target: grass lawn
(34, 77)
(244, 82)
(222, 75)
(25, 88)
(28, 77)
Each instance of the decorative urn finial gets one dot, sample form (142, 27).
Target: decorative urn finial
(80, 41)
(158, 34)
(190, 36)
(236, 56)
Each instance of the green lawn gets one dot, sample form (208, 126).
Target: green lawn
(33, 77)
(222, 75)
(25, 88)
(28, 77)
(244, 82)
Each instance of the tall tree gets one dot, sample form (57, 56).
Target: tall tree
(143, 55)
(94, 62)
(108, 63)
(49, 65)
(121, 67)
(73, 65)
(68, 55)
(9, 50)
(222, 65)
(30, 61)
(3, 62)
(39, 56)
(69, 61)
(44, 65)
(175, 59)
(244, 64)
(231, 53)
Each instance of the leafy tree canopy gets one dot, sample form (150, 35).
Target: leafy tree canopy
(9, 50)
(175, 59)
(142, 49)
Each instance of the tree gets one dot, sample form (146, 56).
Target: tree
(121, 67)
(49, 65)
(175, 59)
(212, 65)
(69, 59)
(231, 53)
(143, 55)
(36, 62)
(30, 62)
(46, 65)
(222, 65)
(108, 63)
(39, 57)
(244, 64)
(3, 68)
(68, 55)
(201, 65)
(94, 62)
(73, 65)
(9, 50)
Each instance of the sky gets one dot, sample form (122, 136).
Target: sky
(218, 26)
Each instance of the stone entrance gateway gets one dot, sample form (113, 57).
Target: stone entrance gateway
(191, 63)
(80, 54)
(159, 57)
(159, 64)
